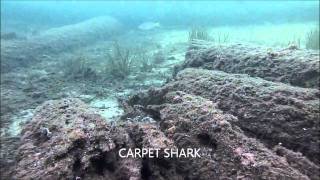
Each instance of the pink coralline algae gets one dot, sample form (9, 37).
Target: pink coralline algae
(205, 109)
(246, 158)
(177, 98)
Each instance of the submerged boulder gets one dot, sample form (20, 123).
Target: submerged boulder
(272, 112)
(67, 140)
(293, 66)
(226, 151)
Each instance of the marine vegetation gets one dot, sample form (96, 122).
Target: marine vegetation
(198, 33)
(294, 42)
(146, 64)
(159, 57)
(222, 38)
(119, 62)
(78, 68)
(312, 39)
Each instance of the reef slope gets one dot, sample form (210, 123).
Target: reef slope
(291, 65)
(272, 112)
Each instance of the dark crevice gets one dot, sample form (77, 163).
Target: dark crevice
(77, 168)
(110, 159)
(145, 170)
(163, 162)
(154, 114)
(99, 164)
(206, 140)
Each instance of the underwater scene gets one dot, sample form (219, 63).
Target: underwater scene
(181, 90)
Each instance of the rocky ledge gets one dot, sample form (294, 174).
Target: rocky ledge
(291, 65)
(67, 140)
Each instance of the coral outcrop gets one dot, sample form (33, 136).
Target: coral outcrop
(291, 65)
(272, 112)
(193, 121)
(67, 140)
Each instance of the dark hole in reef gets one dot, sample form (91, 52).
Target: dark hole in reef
(109, 159)
(79, 143)
(64, 107)
(99, 164)
(163, 163)
(41, 136)
(145, 170)
(206, 140)
(154, 114)
(77, 167)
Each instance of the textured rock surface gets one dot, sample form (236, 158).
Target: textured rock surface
(293, 66)
(272, 112)
(298, 161)
(193, 121)
(66, 140)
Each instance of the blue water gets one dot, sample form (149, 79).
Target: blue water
(168, 13)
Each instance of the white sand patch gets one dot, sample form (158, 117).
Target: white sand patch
(18, 121)
(169, 37)
(108, 108)
(266, 34)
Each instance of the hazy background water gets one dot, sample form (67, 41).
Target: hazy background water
(168, 13)
(269, 23)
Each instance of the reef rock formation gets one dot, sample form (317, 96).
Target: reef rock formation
(291, 65)
(192, 121)
(272, 112)
(67, 140)
(56, 40)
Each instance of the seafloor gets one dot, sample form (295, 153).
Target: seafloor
(253, 102)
